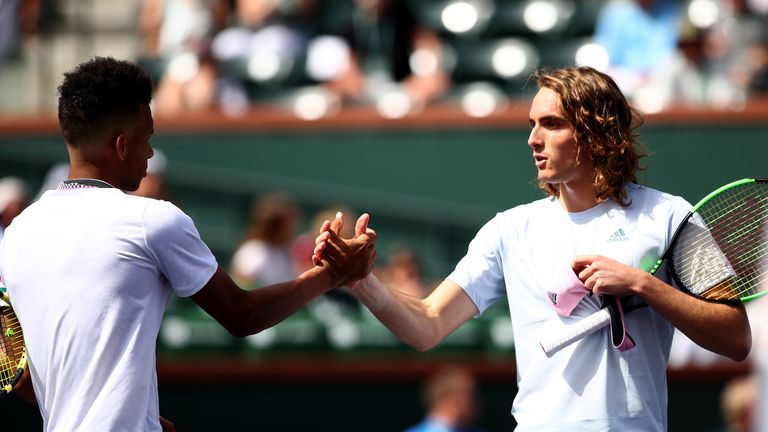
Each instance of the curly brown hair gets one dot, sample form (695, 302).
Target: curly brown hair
(604, 126)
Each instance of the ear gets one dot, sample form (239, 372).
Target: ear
(121, 146)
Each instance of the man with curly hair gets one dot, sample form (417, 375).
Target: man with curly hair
(555, 258)
(90, 269)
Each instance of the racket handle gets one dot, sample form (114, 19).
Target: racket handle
(576, 332)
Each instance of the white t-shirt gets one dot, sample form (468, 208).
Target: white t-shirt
(90, 272)
(588, 386)
(262, 263)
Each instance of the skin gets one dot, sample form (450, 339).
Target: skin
(555, 154)
(424, 323)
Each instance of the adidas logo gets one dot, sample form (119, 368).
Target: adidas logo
(617, 236)
(553, 297)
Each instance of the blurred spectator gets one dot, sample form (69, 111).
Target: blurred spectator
(380, 50)
(24, 17)
(262, 46)
(733, 54)
(737, 404)
(758, 60)
(641, 37)
(13, 199)
(153, 184)
(450, 399)
(55, 175)
(264, 256)
(10, 16)
(403, 272)
(177, 37)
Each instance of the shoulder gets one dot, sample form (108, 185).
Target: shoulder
(532, 208)
(649, 198)
(161, 217)
(160, 209)
(523, 213)
(513, 222)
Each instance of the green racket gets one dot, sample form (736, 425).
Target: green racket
(13, 354)
(719, 252)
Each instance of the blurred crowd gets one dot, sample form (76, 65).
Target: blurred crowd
(316, 56)
(276, 244)
(401, 56)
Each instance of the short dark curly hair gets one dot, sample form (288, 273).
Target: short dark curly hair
(98, 94)
(604, 126)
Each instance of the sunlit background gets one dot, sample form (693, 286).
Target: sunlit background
(280, 112)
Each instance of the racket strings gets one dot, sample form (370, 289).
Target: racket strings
(721, 252)
(744, 244)
(11, 347)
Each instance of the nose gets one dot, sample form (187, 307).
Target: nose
(533, 139)
(151, 152)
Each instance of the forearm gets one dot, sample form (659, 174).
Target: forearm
(718, 327)
(24, 388)
(415, 321)
(266, 306)
(244, 313)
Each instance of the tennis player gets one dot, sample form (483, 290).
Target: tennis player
(90, 268)
(594, 233)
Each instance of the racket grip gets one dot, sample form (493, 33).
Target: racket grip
(576, 332)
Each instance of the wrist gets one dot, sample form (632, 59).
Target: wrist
(372, 292)
(647, 283)
(322, 276)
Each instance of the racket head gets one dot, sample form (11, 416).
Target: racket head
(720, 251)
(13, 354)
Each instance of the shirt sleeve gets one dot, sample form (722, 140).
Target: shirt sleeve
(480, 273)
(181, 255)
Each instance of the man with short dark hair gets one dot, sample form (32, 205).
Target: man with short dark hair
(90, 269)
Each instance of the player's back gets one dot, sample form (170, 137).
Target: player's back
(90, 297)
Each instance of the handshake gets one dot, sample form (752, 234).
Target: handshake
(347, 260)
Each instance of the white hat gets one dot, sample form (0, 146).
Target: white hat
(11, 189)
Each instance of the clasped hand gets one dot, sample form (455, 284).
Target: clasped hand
(349, 260)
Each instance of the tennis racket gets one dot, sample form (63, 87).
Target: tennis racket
(13, 354)
(717, 253)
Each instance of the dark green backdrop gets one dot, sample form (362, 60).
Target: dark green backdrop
(430, 187)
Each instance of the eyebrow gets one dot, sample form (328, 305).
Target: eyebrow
(549, 118)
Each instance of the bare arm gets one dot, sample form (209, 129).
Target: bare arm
(167, 425)
(24, 388)
(244, 312)
(719, 327)
(419, 323)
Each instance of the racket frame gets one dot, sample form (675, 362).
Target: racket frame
(21, 364)
(600, 319)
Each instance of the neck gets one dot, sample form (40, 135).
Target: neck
(445, 416)
(577, 198)
(82, 168)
